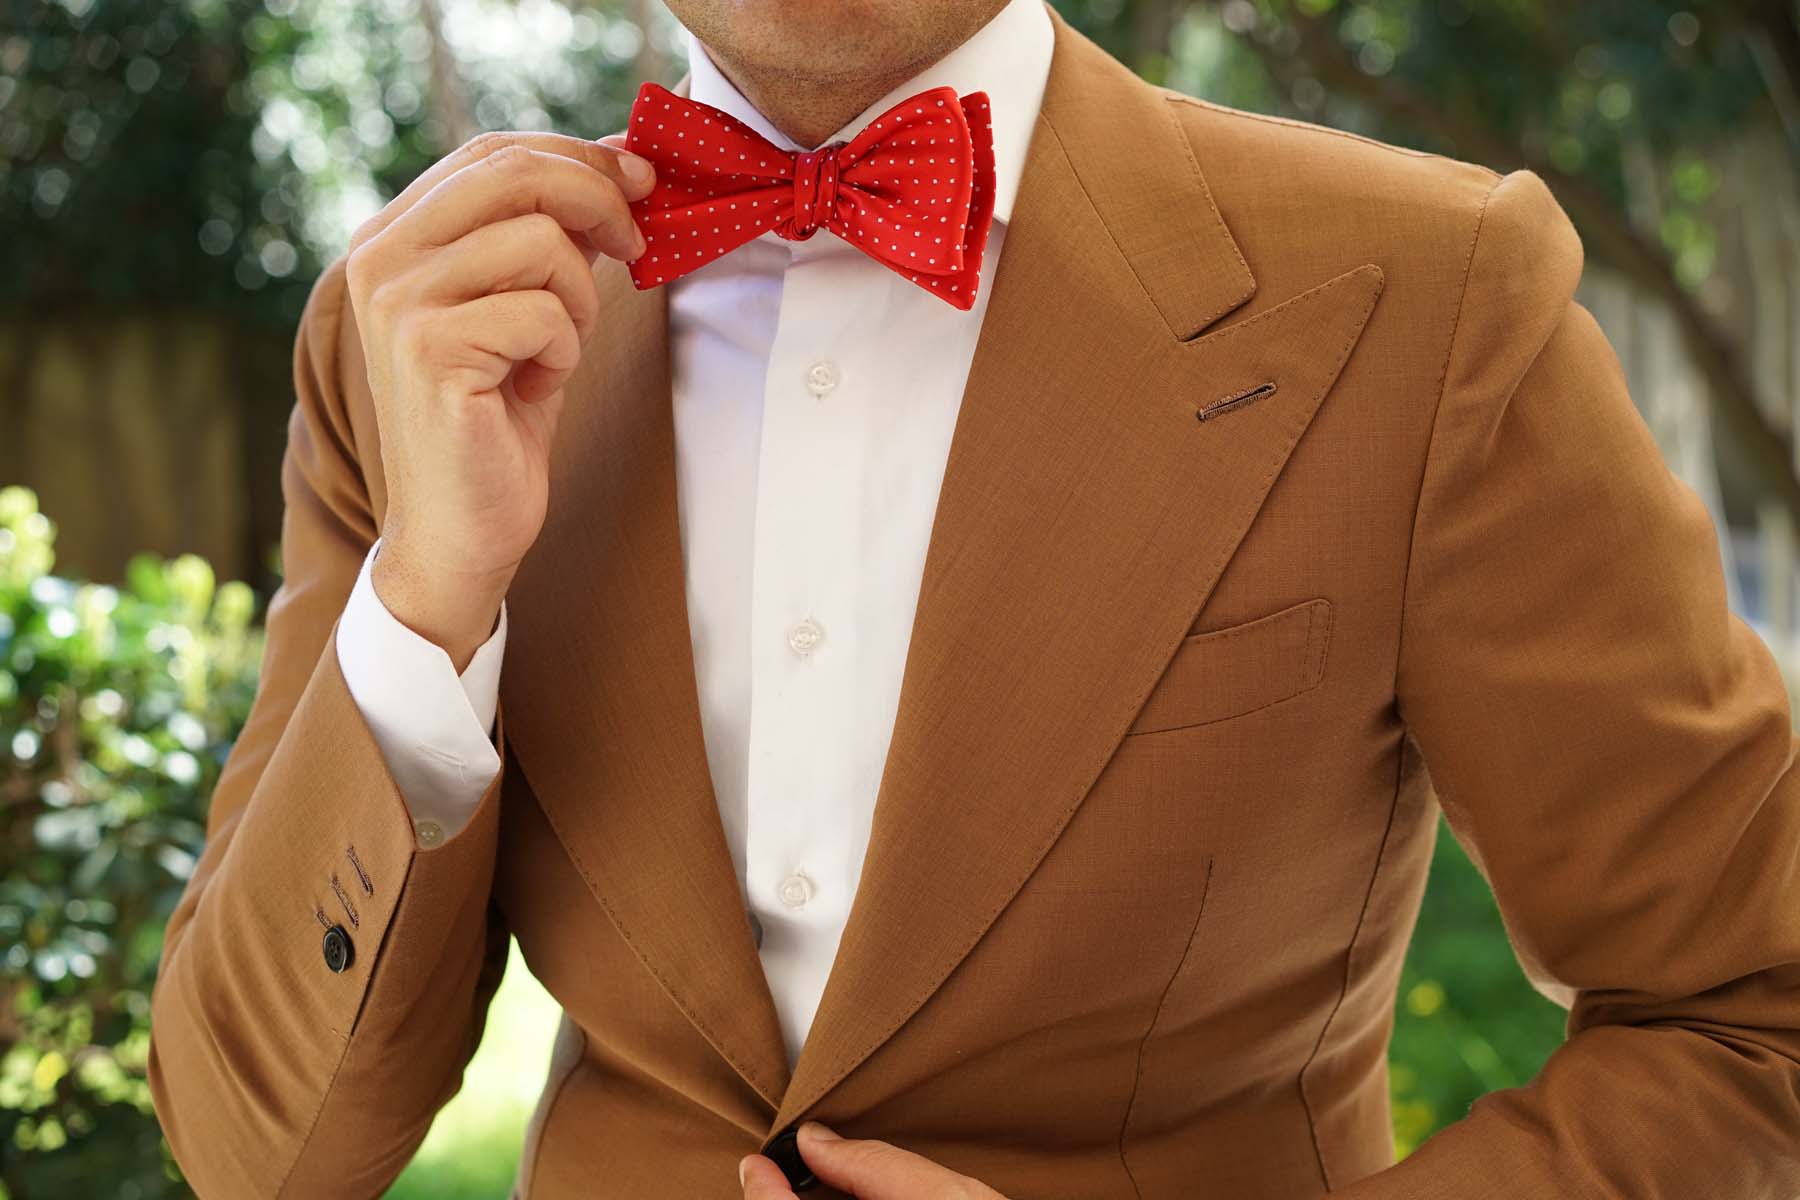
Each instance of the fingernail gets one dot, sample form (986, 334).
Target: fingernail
(743, 1165)
(637, 171)
(642, 245)
(814, 1131)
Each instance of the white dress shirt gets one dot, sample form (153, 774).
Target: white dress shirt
(815, 392)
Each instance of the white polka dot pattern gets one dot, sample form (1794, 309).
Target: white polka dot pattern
(914, 189)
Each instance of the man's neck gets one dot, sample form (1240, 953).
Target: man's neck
(810, 110)
(809, 107)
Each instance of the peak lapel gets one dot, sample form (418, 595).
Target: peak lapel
(602, 707)
(1084, 518)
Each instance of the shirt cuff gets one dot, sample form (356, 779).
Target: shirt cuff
(434, 727)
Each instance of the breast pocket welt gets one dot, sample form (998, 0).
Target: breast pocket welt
(1222, 673)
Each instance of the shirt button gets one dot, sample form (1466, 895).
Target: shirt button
(821, 377)
(429, 832)
(805, 636)
(795, 890)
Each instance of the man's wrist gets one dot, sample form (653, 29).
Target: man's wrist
(456, 614)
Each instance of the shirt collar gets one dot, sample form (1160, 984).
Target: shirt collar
(1008, 58)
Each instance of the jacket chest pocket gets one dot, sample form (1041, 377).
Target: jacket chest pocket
(1228, 672)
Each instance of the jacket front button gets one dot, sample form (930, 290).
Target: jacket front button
(785, 1150)
(338, 950)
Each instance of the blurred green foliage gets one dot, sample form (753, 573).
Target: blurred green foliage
(124, 165)
(1467, 1022)
(232, 145)
(117, 707)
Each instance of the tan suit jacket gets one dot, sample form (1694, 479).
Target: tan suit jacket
(1287, 473)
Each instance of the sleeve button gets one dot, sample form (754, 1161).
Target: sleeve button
(338, 950)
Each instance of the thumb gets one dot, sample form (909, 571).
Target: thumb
(762, 1179)
(873, 1170)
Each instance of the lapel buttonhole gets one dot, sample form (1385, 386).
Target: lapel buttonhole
(1235, 400)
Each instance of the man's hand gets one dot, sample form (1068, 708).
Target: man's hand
(473, 292)
(868, 1170)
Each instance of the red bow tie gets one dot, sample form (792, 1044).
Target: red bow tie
(914, 189)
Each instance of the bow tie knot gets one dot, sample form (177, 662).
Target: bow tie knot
(914, 189)
(815, 192)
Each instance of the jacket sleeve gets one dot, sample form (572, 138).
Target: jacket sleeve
(272, 1073)
(1613, 746)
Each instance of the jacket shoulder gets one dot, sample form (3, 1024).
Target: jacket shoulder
(1321, 152)
(1305, 195)
(1306, 202)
